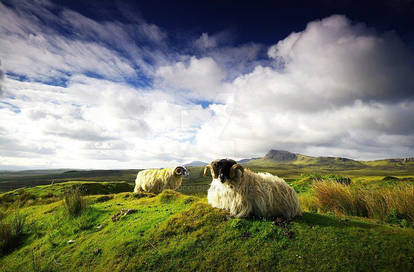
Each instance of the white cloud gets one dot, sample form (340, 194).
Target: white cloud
(199, 78)
(336, 88)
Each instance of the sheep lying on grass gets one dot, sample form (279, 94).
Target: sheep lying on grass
(156, 180)
(245, 193)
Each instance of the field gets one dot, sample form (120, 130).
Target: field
(121, 231)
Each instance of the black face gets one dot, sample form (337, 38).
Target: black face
(222, 167)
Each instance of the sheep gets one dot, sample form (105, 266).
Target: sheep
(244, 193)
(156, 180)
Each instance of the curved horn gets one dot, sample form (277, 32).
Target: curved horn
(206, 168)
(234, 168)
(179, 170)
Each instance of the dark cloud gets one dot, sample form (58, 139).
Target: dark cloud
(2, 76)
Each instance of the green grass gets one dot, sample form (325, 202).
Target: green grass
(172, 231)
(180, 231)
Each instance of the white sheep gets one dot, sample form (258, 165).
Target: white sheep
(156, 180)
(244, 193)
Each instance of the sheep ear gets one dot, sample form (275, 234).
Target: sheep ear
(234, 168)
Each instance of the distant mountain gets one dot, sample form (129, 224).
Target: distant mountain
(274, 157)
(34, 172)
(246, 160)
(280, 155)
(196, 163)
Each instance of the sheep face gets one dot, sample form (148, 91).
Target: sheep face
(225, 169)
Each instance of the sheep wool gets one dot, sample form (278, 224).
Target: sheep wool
(156, 180)
(260, 194)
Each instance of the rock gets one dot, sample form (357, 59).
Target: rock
(280, 155)
(130, 211)
(121, 213)
(71, 242)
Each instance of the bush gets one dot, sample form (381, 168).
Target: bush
(74, 202)
(383, 203)
(12, 232)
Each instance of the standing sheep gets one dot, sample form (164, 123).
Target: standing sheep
(156, 180)
(245, 193)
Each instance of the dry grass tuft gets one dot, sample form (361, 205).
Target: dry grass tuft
(382, 203)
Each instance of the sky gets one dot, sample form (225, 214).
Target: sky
(124, 84)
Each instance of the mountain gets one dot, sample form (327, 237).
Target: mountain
(196, 163)
(246, 160)
(280, 155)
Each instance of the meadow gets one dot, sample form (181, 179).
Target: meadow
(357, 217)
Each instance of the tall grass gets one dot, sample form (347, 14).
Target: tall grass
(381, 203)
(74, 202)
(12, 230)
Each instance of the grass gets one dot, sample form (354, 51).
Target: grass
(172, 231)
(74, 202)
(12, 231)
(385, 203)
(180, 231)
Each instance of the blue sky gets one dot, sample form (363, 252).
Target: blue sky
(152, 83)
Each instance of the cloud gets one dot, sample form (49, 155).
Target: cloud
(341, 62)
(199, 78)
(205, 41)
(1, 81)
(127, 100)
(335, 88)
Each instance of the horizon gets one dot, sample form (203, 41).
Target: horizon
(184, 164)
(131, 85)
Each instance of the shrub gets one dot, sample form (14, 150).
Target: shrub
(12, 232)
(74, 202)
(339, 179)
(384, 203)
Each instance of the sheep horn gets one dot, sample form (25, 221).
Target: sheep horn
(206, 168)
(213, 174)
(178, 170)
(234, 168)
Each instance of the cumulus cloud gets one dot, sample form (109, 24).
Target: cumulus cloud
(336, 88)
(128, 101)
(341, 62)
(199, 78)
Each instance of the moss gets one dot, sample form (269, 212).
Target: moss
(104, 198)
(168, 196)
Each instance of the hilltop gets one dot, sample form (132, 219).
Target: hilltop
(196, 163)
(285, 157)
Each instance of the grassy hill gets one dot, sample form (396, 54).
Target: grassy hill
(173, 231)
(366, 225)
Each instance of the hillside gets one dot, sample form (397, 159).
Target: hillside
(293, 164)
(174, 232)
(282, 163)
